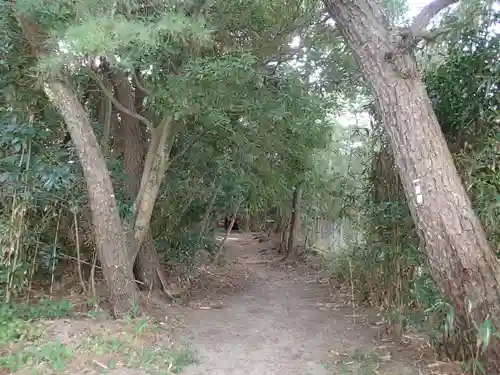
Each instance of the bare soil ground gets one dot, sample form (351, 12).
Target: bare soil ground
(253, 315)
(284, 320)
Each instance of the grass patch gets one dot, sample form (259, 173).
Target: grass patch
(18, 322)
(31, 344)
(368, 362)
(364, 356)
(138, 344)
(362, 362)
(54, 356)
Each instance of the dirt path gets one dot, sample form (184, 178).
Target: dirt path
(279, 325)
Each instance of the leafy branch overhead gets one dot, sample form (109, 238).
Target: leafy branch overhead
(410, 36)
(130, 128)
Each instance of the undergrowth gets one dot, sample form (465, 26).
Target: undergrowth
(34, 339)
(388, 269)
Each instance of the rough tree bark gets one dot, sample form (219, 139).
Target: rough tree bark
(147, 263)
(245, 222)
(155, 167)
(204, 225)
(228, 231)
(460, 258)
(109, 235)
(284, 232)
(294, 224)
(106, 116)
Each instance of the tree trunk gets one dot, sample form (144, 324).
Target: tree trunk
(460, 257)
(155, 167)
(226, 236)
(110, 237)
(294, 224)
(284, 235)
(253, 223)
(107, 117)
(281, 221)
(245, 222)
(147, 264)
(204, 226)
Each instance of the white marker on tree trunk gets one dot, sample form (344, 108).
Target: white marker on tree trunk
(418, 191)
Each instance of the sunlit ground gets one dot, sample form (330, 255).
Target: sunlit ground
(230, 238)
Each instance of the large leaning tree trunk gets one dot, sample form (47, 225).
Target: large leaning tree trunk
(110, 238)
(461, 261)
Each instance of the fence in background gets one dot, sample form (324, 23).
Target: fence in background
(324, 234)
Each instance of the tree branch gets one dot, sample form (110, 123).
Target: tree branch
(432, 35)
(186, 149)
(410, 36)
(428, 13)
(137, 82)
(117, 104)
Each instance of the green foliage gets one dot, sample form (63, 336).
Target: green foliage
(38, 179)
(55, 354)
(256, 138)
(250, 125)
(395, 10)
(247, 128)
(468, 112)
(18, 321)
(389, 268)
(110, 29)
(27, 345)
(386, 268)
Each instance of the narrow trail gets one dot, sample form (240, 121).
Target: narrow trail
(276, 325)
